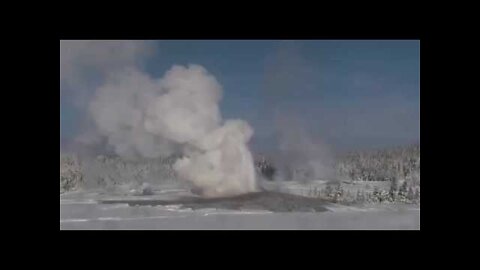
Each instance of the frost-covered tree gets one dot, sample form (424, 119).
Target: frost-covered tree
(381, 165)
(417, 195)
(393, 190)
(403, 189)
(71, 177)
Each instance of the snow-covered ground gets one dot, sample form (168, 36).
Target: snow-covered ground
(94, 210)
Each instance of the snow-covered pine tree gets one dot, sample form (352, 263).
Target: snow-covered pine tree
(417, 195)
(411, 194)
(374, 194)
(393, 190)
(403, 191)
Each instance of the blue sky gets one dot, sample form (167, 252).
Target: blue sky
(349, 93)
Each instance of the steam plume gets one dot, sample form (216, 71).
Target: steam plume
(300, 155)
(147, 117)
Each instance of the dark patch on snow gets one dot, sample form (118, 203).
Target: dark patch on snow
(270, 201)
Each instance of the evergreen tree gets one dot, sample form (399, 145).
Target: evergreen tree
(411, 194)
(402, 193)
(393, 190)
(417, 195)
(376, 194)
(403, 189)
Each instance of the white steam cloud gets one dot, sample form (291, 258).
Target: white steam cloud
(144, 117)
(84, 65)
(307, 157)
(301, 155)
(147, 117)
(81, 58)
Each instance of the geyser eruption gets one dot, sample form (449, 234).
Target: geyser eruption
(146, 117)
(220, 163)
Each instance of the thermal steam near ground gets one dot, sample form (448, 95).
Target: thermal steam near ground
(154, 151)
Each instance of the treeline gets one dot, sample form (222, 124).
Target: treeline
(405, 193)
(71, 176)
(393, 164)
(400, 163)
(111, 171)
(397, 165)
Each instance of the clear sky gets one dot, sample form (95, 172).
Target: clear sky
(349, 93)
